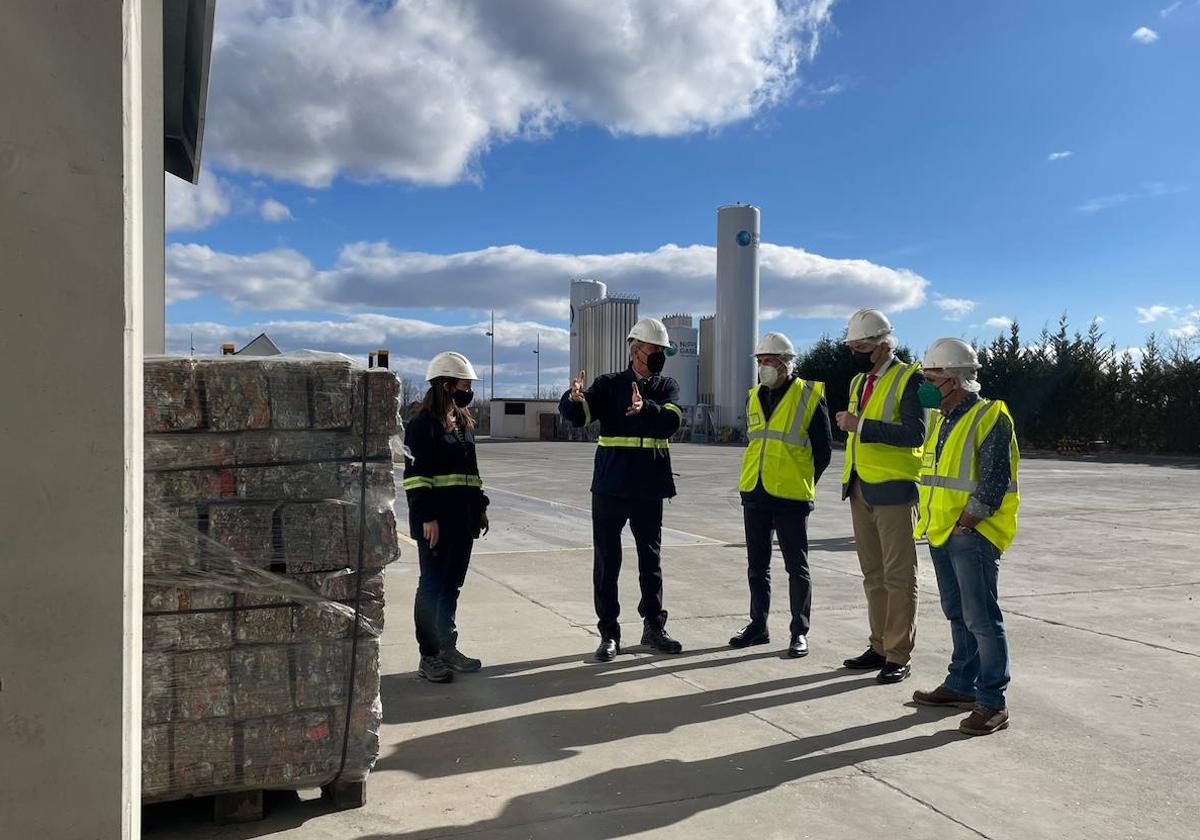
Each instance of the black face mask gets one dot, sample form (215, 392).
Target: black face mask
(862, 360)
(462, 399)
(655, 362)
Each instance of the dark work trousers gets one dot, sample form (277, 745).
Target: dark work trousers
(792, 528)
(609, 515)
(443, 570)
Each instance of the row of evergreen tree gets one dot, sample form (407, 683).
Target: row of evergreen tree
(1067, 389)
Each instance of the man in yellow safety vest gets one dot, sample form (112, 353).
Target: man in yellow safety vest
(789, 447)
(968, 510)
(885, 427)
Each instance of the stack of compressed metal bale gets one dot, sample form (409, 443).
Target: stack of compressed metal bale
(268, 522)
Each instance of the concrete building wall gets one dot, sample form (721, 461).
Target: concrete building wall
(71, 195)
(154, 282)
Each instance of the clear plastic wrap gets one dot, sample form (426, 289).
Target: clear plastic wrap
(269, 490)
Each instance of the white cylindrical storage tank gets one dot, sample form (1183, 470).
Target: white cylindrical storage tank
(684, 366)
(737, 311)
(583, 292)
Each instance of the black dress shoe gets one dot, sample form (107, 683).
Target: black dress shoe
(798, 647)
(660, 640)
(893, 673)
(750, 635)
(869, 661)
(608, 650)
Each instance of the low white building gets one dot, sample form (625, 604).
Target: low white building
(524, 419)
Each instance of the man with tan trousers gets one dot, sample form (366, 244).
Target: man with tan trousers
(885, 426)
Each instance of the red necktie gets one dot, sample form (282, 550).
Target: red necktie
(868, 390)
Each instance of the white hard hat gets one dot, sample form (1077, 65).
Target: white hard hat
(775, 344)
(951, 353)
(450, 364)
(651, 331)
(867, 325)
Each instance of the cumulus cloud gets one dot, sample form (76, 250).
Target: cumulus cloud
(411, 342)
(1063, 155)
(307, 90)
(1182, 322)
(274, 211)
(1144, 35)
(1150, 314)
(196, 206)
(1000, 322)
(521, 282)
(955, 308)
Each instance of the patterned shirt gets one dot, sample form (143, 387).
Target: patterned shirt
(995, 470)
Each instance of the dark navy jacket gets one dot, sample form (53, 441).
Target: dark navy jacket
(628, 470)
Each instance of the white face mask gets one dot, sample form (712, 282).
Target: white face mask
(768, 375)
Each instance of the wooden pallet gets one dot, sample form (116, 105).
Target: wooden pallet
(247, 805)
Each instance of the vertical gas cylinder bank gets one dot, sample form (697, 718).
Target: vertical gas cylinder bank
(583, 292)
(737, 311)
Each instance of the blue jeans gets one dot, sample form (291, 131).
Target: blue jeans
(967, 566)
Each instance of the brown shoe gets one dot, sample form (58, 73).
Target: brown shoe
(942, 696)
(984, 721)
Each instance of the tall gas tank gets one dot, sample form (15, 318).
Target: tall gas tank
(582, 292)
(737, 311)
(684, 366)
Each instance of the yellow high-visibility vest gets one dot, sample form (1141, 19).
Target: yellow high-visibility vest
(779, 451)
(876, 463)
(948, 482)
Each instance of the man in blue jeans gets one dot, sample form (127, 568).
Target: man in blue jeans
(968, 511)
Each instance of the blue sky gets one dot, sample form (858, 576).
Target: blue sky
(951, 163)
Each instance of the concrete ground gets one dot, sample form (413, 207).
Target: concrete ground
(1101, 594)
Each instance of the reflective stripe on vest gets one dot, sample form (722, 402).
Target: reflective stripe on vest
(946, 484)
(879, 462)
(781, 458)
(435, 481)
(634, 442)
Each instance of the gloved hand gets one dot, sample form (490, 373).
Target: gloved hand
(483, 523)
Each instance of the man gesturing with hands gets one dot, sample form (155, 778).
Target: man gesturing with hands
(637, 413)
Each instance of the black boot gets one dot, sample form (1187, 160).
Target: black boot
(435, 670)
(608, 650)
(660, 640)
(750, 635)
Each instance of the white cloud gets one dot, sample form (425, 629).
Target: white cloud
(196, 206)
(1150, 314)
(521, 282)
(1169, 10)
(274, 211)
(1149, 189)
(417, 91)
(1000, 322)
(1063, 155)
(1182, 322)
(1144, 35)
(411, 343)
(955, 308)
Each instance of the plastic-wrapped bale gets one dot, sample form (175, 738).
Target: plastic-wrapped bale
(256, 674)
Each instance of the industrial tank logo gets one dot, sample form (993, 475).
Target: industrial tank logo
(745, 238)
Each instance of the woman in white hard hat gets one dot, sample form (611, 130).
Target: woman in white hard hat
(885, 427)
(968, 511)
(447, 510)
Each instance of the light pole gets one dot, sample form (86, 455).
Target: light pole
(538, 352)
(492, 335)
